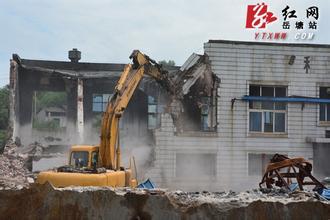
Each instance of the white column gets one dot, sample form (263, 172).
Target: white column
(80, 110)
(13, 100)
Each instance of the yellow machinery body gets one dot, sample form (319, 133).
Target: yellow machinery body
(63, 179)
(112, 178)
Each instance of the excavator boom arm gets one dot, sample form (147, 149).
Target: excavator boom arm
(109, 150)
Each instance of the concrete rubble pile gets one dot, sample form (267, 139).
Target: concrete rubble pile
(14, 168)
(125, 203)
(17, 190)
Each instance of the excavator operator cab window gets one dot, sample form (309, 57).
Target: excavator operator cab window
(95, 155)
(79, 159)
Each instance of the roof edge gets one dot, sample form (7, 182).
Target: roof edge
(270, 43)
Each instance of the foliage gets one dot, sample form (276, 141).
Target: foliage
(2, 138)
(4, 107)
(46, 99)
(4, 114)
(167, 63)
(50, 99)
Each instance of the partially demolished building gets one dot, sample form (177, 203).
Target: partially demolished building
(235, 106)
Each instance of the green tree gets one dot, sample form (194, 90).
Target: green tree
(50, 99)
(167, 63)
(4, 114)
(4, 107)
(46, 99)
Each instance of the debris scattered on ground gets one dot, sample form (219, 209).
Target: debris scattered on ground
(187, 199)
(17, 189)
(14, 168)
(127, 203)
(35, 149)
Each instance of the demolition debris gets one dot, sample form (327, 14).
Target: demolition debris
(14, 168)
(125, 203)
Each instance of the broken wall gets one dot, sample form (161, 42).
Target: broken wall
(83, 121)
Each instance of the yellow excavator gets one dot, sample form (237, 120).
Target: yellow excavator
(100, 165)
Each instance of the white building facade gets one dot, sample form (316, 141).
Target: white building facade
(272, 98)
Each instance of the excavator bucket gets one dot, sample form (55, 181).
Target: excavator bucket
(290, 173)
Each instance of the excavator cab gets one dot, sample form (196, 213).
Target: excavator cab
(83, 156)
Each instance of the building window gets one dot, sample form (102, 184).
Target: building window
(325, 108)
(100, 102)
(208, 119)
(200, 114)
(194, 166)
(153, 116)
(257, 163)
(267, 117)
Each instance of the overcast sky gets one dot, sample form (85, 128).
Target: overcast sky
(108, 30)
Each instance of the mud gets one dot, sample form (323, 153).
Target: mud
(46, 202)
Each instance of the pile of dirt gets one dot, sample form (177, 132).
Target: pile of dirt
(14, 168)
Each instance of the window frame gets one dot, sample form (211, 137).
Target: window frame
(322, 122)
(91, 159)
(263, 111)
(270, 153)
(153, 112)
(103, 102)
(86, 153)
(214, 168)
(259, 154)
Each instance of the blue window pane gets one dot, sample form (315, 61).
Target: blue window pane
(279, 122)
(152, 121)
(205, 109)
(151, 99)
(268, 121)
(97, 107)
(255, 121)
(100, 102)
(204, 123)
(322, 112)
(152, 108)
(106, 97)
(97, 98)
